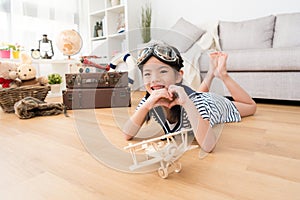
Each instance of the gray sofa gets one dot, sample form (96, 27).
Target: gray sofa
(263, 55)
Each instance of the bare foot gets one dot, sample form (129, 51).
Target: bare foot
(213, 62)
(221, 70)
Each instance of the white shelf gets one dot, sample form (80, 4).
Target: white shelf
(112, 42)
(116, 9)
(52, 61)
(44, 67)
(43, 61)
(99, 13)
(120, 36)
(99, 38)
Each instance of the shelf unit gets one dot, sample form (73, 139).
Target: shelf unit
(112, 41)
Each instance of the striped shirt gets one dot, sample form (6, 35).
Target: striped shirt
(213, 107)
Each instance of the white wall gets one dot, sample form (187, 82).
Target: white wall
(166, 12)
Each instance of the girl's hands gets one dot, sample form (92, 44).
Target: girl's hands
(159, 97)
(167, 97)
(178, 95)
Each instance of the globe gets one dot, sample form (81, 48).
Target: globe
(69, 42)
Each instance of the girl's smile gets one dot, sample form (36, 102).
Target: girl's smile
(157, 87)
(158, 75)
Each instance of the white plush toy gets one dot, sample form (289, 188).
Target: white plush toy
(27, 72)
(130, 62)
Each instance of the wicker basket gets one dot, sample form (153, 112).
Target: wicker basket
(9, 96)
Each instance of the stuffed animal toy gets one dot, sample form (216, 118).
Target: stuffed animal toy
(130, 61)
(31, 107)
(8, 75)
(27, 72)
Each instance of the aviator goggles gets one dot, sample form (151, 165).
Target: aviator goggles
(164, 53)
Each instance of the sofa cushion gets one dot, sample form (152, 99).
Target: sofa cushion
(250, 34)
(182, 35)
(272, 59)
(287, 30)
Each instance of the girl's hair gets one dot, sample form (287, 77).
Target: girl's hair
(147, 118)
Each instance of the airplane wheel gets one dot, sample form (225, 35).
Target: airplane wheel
(170, 152)
(172, 149)
(163, 173)
(178, 167)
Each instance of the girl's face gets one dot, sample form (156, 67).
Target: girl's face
(158, 75)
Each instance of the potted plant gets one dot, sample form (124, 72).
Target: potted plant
(16, 48)
(5, 49)
(146, 22)
(55, 81)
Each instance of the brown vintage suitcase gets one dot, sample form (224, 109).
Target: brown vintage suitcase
(97, 80)
(96, 98)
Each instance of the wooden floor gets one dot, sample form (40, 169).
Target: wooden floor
(60, 157)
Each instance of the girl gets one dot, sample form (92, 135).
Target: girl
(175, 106)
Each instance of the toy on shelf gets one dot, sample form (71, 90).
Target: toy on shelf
(165, 150)
(129, 60)
(87, 61)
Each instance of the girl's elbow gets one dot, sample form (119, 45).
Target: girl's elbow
(208, 148)
(209, 144)
(127, 137)
(254, 108)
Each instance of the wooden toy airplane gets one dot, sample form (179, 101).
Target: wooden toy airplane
(165, 152)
